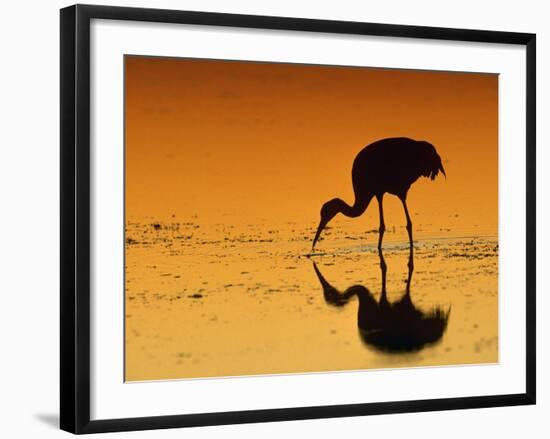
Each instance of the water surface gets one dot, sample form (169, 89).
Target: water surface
(244, 299)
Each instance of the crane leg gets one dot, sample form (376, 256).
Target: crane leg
(382, 228)
(409, 230)
(383, 269)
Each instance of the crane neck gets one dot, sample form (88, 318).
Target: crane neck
(359, 206)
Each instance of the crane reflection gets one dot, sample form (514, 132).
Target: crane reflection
(390, 327)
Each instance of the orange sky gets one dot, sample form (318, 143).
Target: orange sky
(243, 141)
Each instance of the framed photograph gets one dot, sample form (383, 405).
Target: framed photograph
(268, 218)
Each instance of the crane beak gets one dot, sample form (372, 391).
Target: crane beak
(320, 228)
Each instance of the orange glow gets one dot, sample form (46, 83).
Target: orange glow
(260, 140)
(227, 166)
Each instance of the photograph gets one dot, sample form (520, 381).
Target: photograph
(275, 219)
(285, 218)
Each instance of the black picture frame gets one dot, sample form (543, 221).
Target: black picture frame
(75, 217)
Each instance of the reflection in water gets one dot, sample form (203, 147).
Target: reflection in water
(390, 327)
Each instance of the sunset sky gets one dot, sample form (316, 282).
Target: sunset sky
(242, 141)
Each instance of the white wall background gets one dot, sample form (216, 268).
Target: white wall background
(29, 206)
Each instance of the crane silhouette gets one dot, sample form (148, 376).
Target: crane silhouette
(386, 166)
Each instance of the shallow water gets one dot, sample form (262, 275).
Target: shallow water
(245, 299)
